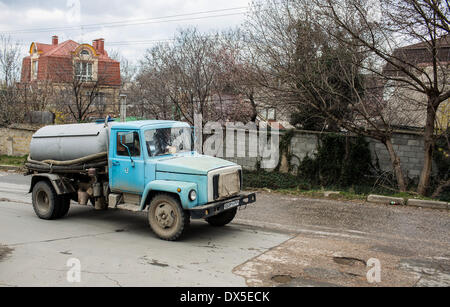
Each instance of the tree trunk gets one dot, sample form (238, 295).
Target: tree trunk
(254, 111)
(396, 165)
(424, 183)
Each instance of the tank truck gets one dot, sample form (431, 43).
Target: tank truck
(139, 166)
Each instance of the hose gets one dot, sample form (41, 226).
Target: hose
(56, 168)
(73, 166)
(71, 162)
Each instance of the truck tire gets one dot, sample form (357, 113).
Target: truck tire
(64, 206)
(47, 204)
(167, 218)
(223, 218)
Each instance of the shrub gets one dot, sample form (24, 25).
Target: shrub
(339, 161)
(272, 180)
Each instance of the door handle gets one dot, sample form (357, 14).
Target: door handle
(116, 163)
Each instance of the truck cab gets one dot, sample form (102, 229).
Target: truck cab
(152, 165)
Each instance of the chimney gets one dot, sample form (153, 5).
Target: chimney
(54, 40)
(95, 44)
(101, 45)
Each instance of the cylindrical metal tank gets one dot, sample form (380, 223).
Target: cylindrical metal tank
(69, 142)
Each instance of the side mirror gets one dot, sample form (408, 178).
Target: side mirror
(123, 140)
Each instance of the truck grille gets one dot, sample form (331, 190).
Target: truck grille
(226, 184)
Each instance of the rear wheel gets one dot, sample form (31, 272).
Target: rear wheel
(47, 204)
(167, 218)
(223, 218)
(64, 206)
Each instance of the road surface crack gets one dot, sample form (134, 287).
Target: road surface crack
(113, 280)
(63, 239)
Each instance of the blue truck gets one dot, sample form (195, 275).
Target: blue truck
(142, 165)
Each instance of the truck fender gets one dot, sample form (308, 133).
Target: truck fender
(61, 186)
(179, 188)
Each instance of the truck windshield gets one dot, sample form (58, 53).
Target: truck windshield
(168, 141)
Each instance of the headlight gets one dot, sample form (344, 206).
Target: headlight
(192, 195)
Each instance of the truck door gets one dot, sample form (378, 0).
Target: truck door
(127, 169)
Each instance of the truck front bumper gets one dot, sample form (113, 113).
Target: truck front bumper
(216, 208)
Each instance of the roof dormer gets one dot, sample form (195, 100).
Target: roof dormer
(33, 49)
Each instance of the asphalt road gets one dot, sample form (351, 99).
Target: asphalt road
(280, 240)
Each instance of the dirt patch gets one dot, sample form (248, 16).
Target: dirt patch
(319, 261)
(5, 252)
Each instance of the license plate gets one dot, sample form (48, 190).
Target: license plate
(231, 204)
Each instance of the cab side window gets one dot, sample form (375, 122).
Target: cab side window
(128, 141)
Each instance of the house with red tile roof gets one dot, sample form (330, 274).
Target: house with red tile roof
(67, 63)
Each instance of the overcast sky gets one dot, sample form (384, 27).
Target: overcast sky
(31, 20)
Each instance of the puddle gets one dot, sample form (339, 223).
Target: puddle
(349, 261)
(282, 279)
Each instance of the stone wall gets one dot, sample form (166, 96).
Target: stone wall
(15, 141)
(408, 145)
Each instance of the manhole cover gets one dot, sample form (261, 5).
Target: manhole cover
(348, 261)
(282, 279)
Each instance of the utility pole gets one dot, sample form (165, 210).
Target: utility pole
(123, 108)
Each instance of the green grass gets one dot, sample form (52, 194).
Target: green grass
(12, 161)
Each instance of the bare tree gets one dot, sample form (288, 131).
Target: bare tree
(11, 108)
(421, 21)
(148, 95)
(78, 86)
(9, 60)
(196, 74)
(236, 75)
(300, 57)
(128, 68)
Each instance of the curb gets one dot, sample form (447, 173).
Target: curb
(10, 168)
(418, 203)
(386, 200)
(428, 204)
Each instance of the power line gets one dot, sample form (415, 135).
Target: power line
(135, 42)
(134, 22)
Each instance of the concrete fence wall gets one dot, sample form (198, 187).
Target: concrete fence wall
(409, 146)
(15, 141)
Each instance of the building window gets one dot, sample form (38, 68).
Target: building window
(83, 71)
(268, 114)
(98, 99)
(85, 52)
(34, 69)
(271, 114)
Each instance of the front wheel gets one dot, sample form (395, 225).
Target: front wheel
(223, 218)
(166, 217)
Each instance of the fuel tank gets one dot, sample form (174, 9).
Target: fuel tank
(69, 142)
